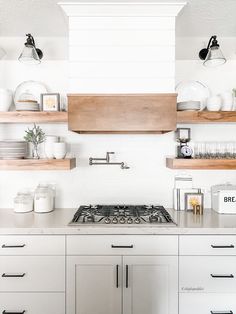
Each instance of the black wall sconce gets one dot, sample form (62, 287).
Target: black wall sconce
(30, 54)
(212, 55)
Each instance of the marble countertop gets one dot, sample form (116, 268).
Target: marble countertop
(57, 223)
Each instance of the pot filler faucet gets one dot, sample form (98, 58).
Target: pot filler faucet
(106, 161)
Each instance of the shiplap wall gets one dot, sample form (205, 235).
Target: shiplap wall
(115, 50)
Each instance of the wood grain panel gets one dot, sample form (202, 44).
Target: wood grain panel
(33, 117)
(206, 116)
(38, 164)
(141, 113)
(201, 164)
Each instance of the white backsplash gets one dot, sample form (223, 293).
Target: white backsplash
(147, 180)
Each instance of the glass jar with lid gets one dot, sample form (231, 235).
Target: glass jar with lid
(23, 202)
(44, 199)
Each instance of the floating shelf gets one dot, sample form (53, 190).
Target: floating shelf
(201, 164)
(38, 164)
(206, 117)
(33, 117)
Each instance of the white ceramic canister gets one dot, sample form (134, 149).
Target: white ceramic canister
(48, 145)
(227, 101)
(5, 99)
(59, 150)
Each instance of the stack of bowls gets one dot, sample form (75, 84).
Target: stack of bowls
(188, 105)
(27, 105)
(13, 149)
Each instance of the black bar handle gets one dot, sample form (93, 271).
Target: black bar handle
(231, 246)
(13, 275)
(222, 276)
(122, 246)
(5, 246)
(6, 312)
(220, 312)
(117, 276)
(127, 276)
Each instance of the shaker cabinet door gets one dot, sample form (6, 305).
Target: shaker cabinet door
(94, 285)
(150, 285)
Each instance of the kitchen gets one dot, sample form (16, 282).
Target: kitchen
(140, 259)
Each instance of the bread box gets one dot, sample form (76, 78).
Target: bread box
(224, 198)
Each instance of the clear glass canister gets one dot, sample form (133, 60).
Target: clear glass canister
(23, 203)
(43, 199)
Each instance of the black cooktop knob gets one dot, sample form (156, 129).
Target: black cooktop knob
(137, 220)
(114, 220)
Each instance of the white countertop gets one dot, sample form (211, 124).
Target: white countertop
(57, 223)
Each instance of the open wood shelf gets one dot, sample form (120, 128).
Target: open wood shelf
(201, 164)
(33, 117)
(206, 117)
(38, 164)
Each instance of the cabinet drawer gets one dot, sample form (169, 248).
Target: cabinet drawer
(207, 274)
(31, 273)
(207, 303)
(32, 245)
(122, 245)
(32, 303)
(207, 245)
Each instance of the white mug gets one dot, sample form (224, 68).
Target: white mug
(59, 150)
(48, 145)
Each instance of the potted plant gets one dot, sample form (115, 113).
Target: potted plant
(35, 136)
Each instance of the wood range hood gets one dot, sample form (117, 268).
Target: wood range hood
(122, 113)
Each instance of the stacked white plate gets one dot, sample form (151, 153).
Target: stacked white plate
(27, 105)
(13, 149)
(188, 105)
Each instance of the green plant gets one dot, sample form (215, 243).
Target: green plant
(35, 136)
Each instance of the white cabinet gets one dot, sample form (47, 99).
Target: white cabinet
(207, 303)
(150, 285)
(207, 274)
(32, 274)
(32, 303)
(94, 285)
(122, 283)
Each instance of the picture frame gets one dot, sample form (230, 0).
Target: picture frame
(50, 102)
(190, 198)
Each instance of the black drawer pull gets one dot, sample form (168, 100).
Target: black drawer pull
(220, 312)
(5, 246)
(117, 276)
(13, 275)
(122, 246)
(127, 276)
(222, 276)
(231, 246)
(6, 312)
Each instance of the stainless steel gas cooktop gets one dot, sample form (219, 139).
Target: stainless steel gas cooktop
(122, 214)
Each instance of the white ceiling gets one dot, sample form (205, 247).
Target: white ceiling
(200, 18)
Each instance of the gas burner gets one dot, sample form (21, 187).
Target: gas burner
(122, 215)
